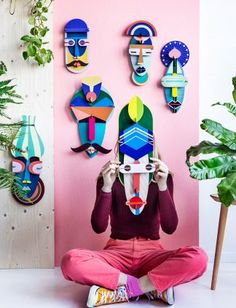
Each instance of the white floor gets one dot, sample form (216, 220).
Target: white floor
(48, 289)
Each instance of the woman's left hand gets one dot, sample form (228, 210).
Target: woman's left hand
(161, 173)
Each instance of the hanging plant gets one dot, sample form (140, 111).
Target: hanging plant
(8, 131)
(35, 41)
(224, 164)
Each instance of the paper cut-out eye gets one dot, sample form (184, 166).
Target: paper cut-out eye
(127, 167)
(134, 51)
(17, 166)
(36, 167)
(137, 168)
(69, 42)
(149, 167)
(83, 42)
(147, 52)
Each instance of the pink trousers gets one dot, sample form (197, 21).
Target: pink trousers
(137, 257)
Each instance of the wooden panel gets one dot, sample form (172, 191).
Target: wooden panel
(27, 233)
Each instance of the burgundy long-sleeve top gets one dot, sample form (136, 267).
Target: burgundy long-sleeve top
(159, 211)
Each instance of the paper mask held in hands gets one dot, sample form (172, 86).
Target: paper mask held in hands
(76, 45)
(27, 164)
(91, 106)
(140, 49)
(174, 55)
(135, 148)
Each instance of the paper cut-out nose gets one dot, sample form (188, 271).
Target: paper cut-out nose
(140, 57)
(91, 97)
(76, 50)
(174, 53)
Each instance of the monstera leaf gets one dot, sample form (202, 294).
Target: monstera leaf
(222, 166)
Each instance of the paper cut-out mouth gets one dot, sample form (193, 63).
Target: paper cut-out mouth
(77, 63)
(140, 70)
(175, 104)
(135, 202)
(26, 188)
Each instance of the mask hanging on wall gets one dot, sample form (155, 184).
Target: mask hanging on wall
(76, 45)
(140, 49)
(135, 149)
(27, 164)
(174, 55)
(92, 106)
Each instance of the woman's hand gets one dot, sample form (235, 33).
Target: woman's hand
(160, 174)
(109, 172)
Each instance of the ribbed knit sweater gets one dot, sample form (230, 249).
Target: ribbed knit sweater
(159, 211)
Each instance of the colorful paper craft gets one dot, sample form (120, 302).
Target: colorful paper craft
(76, 45)
(140, 49)
(135, 148)
(137, 168)
(91, 106)
(174, 55)
(27, 163)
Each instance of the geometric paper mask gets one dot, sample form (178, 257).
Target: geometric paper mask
(140, 49)
(135, 148)
(174, 55)
(76, 45)
(91, 106)
(27, 163)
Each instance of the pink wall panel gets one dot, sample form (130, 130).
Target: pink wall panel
(75, 174)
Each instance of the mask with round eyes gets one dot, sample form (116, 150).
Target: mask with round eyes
(135, 149)
(140, 49)
(76, 45)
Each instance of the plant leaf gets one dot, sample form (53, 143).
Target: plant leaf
(25, 55)
(5, 82)
(5, 90)
(31, 50)
(227, 189)
(26, 38)
(216, 167)
(4, 101)
(230, 107)
(207, 147)
(226, 136)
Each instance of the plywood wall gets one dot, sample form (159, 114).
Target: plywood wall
(27, 233)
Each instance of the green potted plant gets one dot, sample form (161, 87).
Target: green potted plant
(35, 43)
(223, 165)
(8, 95)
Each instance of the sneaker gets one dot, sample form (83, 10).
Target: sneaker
(100, 296)
(166, 296)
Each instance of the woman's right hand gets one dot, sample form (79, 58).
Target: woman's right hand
(109, 172)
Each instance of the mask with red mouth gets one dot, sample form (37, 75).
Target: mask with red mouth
(76, 45)
(174, 55)
(135, 149)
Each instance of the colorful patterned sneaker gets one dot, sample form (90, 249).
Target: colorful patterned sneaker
(166, 296)
(100, 296)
